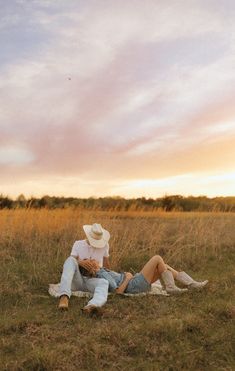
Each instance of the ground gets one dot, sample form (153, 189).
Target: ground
(194, 331)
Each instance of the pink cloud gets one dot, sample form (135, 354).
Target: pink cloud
(121, 93)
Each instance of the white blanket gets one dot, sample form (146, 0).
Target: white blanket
(156, 289)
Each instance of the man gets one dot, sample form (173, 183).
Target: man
(88, 254)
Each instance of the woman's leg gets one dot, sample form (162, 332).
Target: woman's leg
(174, 272)
(154, 268)
(185, 279)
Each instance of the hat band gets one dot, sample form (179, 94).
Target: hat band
(96, 236)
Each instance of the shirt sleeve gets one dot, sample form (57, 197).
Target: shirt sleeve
(75, 249)
(106, 251)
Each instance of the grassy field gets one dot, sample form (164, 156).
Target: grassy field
(192, 332)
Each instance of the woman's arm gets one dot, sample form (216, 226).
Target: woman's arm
(122, 287)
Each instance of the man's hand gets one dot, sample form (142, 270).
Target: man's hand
(95, 264)
(90, 265)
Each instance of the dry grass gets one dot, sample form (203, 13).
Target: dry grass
(190, 332)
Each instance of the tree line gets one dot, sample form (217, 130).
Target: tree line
(166, 203)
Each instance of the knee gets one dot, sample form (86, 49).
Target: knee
(71, 260)
(158, 259)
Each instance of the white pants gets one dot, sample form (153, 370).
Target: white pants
(72, 279)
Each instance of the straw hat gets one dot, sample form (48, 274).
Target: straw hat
(97, 236)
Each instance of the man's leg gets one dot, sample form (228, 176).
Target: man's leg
(71, 277)
(99, 286)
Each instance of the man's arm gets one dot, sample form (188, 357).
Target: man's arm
(122, 287)
(106, 262)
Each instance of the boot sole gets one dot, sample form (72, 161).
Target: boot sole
(93, 311)
(177, 292)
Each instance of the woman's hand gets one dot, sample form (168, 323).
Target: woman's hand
(122, 287)
(128, 276)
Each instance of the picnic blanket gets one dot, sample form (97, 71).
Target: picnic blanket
(156, 289)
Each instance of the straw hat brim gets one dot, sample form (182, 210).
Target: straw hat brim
(99, 244)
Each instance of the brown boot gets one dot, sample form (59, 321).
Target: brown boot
(92, 310)
(64, 302)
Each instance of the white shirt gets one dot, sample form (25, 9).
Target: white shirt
(82, 249)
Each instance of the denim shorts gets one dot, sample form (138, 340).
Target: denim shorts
(138, 284)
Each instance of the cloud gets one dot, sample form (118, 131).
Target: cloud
(105, 90)
(10, 155)
(187, 184)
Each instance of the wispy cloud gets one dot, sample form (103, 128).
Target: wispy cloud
(99, 90)
(13, 155)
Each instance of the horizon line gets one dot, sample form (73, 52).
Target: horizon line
(116, 196)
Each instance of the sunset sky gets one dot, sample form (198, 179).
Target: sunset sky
(117, 97)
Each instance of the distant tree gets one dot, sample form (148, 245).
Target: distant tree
(168, 203)
(21, 201)
(6, 202)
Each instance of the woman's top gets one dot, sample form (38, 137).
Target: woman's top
(136, 285)
(115, 279)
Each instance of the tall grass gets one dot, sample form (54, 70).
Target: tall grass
(43, 238)
(193, 332)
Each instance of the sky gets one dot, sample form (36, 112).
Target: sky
(117, 97)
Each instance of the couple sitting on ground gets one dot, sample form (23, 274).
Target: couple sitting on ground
(88, 269)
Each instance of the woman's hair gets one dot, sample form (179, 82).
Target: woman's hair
(84, 272)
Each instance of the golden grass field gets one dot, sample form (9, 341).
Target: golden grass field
(192, 332)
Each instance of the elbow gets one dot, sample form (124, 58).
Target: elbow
(112, 287)
(120, 290)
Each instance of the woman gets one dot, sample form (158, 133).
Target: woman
(153, 270)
